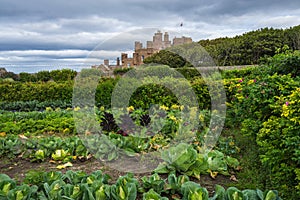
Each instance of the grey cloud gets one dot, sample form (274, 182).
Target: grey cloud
(107, 25)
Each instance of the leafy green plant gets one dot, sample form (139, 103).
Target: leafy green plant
(233, 193)
(193, 191)
(79, 185)
(22, 192)
(180, 158)
(125, 188)
(184, 158)
(59, 155)
(174, 183)
(6, 184)
(152, 195)
(219, 193)
(153, 182)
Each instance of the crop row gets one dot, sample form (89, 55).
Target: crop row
(182, 158)
(79, 185)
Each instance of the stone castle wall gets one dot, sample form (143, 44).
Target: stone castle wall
(159, 42)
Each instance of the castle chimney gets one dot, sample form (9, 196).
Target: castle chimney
(118, 61)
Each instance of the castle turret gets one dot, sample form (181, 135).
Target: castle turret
(149, 44)
(166, 37)
(157, 41)
(138, 45)
(167, 42)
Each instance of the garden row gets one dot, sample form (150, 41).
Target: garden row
(181, 158)
(79, 185)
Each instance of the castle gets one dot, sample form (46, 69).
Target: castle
(160, 41)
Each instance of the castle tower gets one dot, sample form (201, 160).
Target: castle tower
(149, 44)
(157, 37)
(166, 37)
(106, 62)
(167, 42)
(138, 45)
(157, 41)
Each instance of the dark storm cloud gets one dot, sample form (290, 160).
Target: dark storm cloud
(82, 25)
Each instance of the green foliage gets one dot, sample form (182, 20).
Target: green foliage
(193, 191)
(153, 182)
(279, 142)
(43, 76)
(184, 158)
(62, 75)
(252, 98)
(27, 77)
(125, 188)
(37, 122)
(292, 36)
(40, 149)
(231, 74)
(246, 49)
(261, 102)
(104, 91)
(91, 73)
(285, 63)
(145, 96)
(166, 57)
(121, 71)
(34, 105)
(10, 146)
(189, 73)
(17, 91)
(175, 183)
(79, 185)
(152, 195)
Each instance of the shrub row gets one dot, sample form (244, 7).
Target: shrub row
(34, 105)
(36, 96)
(44, 76)
(266, 102)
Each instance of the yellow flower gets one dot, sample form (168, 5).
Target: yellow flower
(285, 110)
(250, 82)
(130, 109)
(163, 107)
(175, 107)
(2, 134)
(48, 109)
(201, 118)
(77, 108)
(173, 118)
(102, 108)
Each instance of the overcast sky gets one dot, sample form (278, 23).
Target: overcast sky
(59, 33)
